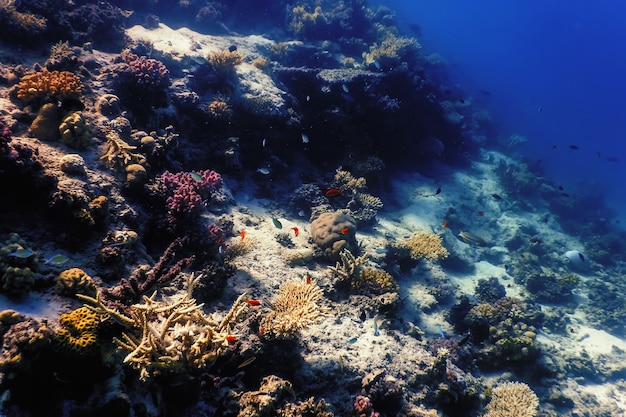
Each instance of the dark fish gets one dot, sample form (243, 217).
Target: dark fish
(565, 195)
(461, 101)
(553, 146)
(612, 159)
(438, 191)
(598, 155)
(232, 48)
(561, 187)
(416, 29)
(573, 147)
(496, 196)
(540, 108)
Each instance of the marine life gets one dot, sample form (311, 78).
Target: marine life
(442, 333)
(242, 234)
(573, 147)
(540, 108)
(472, 239)
(253, 302)
(445, 223)
(264, 142)
(230, 339)
(496, 197)
(376, 332)
(305, 138)
(308, 279)
(277, 223)
(22, 253)
(295, 231)
(479, 213)
(333, 192)
(345, 230)
(196, 177)
(472, 298)
(380, 250)
(57, 259)
(345, 88)
(263, 170)
(352, 340)
(576, 259)
(247, 362)
(438, 191)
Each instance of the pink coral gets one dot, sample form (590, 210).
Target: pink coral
(148, 72)
(363, 407)
(186, 193)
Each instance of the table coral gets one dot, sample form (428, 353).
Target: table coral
(512, 399)
(295, 306)
(53, 85)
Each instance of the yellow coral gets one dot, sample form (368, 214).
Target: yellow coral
(224, 62)
(293, 309)
(78, 332)
(512, 399)
(301, 18)
(425, 245)
(391, 51)
(75, 280)
(377, 277)
(54, 84)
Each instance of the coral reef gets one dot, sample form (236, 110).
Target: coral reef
(118, 154)
(333, 232)
(391, 51)
(512, 399)
(224, 62)
(295, 306)
(149, 74)
(20, 26)
(78, 332)
(74, 131)
(23, 341)
(423, 245)
(17, 265)
(75, 281)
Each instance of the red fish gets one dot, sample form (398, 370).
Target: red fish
(480, 213)
(308, 279)
(242, 234)
(253, 302)
(295, 231)
(230, 339)
(345, 230)
(333, 192)
(445, 223)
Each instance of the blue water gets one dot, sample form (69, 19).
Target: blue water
(565, 58)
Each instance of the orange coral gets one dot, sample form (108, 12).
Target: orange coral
(53, 84)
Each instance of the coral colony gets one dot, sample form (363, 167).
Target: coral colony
(215, 220)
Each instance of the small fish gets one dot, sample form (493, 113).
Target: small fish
(269, 303)
(461, 101)
(612, 159)
(196, 177)
(496, 197)
(242, 234)
(305, 138)
(472, 239)
(199, 60)
(247, 362)
(573, 147)
(308, 98)
(263, 170)
(445, 223)
(252, 302)
(230, 339)
(345, 230)
(22, 253)
(345, 88)
(561, 187)
(480, 213)
(438, 191)
(308, 279)
(220, 250)
(277, 223)
(376, 332)
(565, 195)
(353, 340)
(295, 231)
(380, 250)
(264, 142)
(540, 108)
(472, 298)
(57, 259)
(598, 155)
(535, 240)
(232, 48)
(441, 332)
(333, 192)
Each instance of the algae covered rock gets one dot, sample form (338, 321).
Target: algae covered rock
(334, 231)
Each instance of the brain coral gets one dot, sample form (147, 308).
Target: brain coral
(512, 399)
(334, 231)
(78, 332)
(75, 131)
(75, 280)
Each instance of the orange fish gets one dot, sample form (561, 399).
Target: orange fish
(230, 339)
(252, 302)
(445, 223)
(345, 230)
(308, 279)
(332, 192)
(480, 213)
(295, 231)
(242, 234)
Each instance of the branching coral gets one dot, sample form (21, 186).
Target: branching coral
(170, 336)
(293, 309)
(422, 245)
(54, 85)
(301, 19)
(224, 62)
(149, 73)
(347, 267)
(363, 206)
(118, 154)
(392, 51)
(512, 399)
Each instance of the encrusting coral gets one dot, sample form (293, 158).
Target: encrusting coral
(75, 281)
(57, 85)
(512, 399)
(78, 330)
(292, 310)
(422, 245)
(171, 336)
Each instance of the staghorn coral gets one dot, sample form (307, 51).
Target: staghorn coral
(348, 267)
(512, 399)
(118, 154)
(264, 401)
(49, 85)
(292, 310)
(422, 245)
(78, 331)
(75, 131)
(224, 62)
(75, 281)
(63, 58)
(171, 336)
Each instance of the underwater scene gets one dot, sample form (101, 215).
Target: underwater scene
(312, 208)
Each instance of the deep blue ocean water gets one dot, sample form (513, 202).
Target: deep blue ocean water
(556, 72)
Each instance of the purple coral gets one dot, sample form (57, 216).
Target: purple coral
(186, 193)
(149, 73)
(363, 407)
